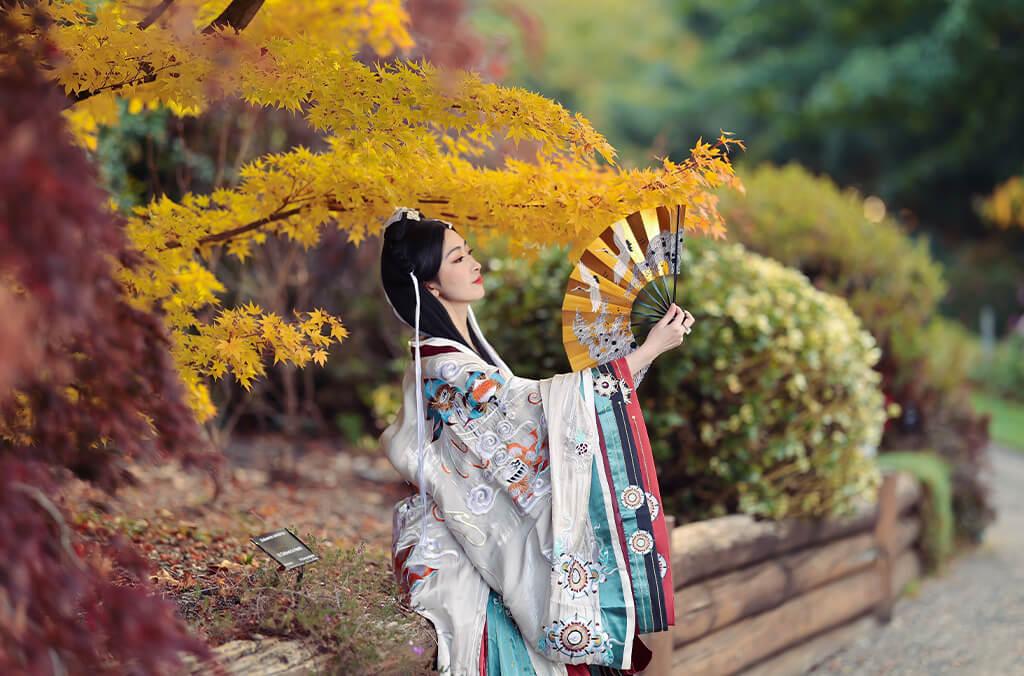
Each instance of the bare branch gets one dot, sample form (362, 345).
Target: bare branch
(72, 99)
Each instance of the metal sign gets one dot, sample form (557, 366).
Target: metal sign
(284, 547)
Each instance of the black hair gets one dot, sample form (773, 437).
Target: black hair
(417, 245)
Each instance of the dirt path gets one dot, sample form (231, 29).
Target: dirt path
(971, 619)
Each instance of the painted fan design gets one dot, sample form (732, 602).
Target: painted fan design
(624, 281)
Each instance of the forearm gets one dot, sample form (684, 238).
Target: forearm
(639, 358)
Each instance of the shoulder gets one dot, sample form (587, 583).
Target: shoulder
(443, 360)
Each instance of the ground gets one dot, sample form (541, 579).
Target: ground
(969, 619)
(347, 606)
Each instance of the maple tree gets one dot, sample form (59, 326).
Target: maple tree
(398, 132)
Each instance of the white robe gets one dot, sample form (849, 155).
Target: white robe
(512, 526)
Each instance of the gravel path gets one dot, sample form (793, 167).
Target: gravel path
(971, 619)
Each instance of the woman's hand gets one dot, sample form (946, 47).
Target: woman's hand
(667, 334)
(670, 331)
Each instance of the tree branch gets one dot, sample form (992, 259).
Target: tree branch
(226, 235)
(154, 14)
(237, 15)
(234, 232)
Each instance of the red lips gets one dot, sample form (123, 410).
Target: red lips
(479, 280)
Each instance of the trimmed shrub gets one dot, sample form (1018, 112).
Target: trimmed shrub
(894, 286)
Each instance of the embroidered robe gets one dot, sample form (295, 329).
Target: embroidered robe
(544, 548)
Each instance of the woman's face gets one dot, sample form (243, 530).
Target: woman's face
(459, 279)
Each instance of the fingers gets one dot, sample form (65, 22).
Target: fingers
(670, 315)
(683, 321)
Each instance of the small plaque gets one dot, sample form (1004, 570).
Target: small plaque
(284, 547)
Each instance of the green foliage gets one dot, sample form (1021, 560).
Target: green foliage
(952, 353)
(1002, 372)
(900, 98)
(805, 221)
(936, 508)
(619, 83)
(770, 407)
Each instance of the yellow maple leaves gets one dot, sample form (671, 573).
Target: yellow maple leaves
(398, 133)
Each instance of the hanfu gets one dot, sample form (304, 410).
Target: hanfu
(540, 547)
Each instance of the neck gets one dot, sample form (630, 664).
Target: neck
(459, 312)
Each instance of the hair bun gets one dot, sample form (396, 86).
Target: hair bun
(398, 223)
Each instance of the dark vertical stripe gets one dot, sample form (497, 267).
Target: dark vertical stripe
(661, 534)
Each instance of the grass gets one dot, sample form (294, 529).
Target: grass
(346, 608)
(937, 508)
(1007, 426)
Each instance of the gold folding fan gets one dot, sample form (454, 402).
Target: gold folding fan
(624, 282)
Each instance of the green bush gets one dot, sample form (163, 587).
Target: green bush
(771, 407)
(804, 221)
(953, 352)
(1002, 372)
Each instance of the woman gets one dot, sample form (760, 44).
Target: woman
(536, 544)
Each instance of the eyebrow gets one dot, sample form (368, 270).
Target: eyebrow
(453, 249)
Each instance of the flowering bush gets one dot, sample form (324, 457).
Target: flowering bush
(845, 245)
(771, 406)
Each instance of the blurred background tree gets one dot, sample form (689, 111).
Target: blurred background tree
(910, 102)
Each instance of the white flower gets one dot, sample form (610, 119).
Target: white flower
(480, 499)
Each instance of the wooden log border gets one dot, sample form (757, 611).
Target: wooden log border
(775, 598)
